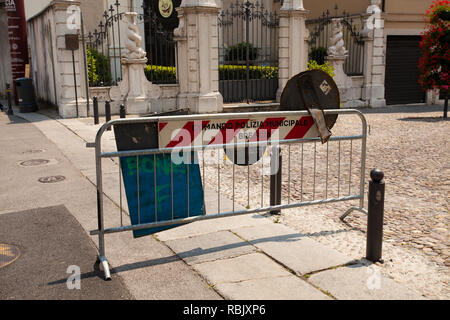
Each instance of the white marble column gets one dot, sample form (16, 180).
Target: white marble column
(293, 51)
(65, 15)
(375, 60)
(198, 59)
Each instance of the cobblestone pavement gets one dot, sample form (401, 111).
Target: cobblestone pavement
(411, 145)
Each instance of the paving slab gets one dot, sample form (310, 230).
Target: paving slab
(359, 282)
(275, 288)
(250, 266)
(209, 247)
(294, 250)
(148, 268)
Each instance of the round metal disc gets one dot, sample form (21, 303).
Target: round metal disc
(245, 156)
(34, 162)
(52, 179)
(312, 88)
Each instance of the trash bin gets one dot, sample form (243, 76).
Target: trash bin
(25, 93)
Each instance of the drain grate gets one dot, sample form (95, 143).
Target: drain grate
(8, 254)
(34, 151)
(34, 162)
(52, 179)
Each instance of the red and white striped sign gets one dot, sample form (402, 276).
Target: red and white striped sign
(224, 131)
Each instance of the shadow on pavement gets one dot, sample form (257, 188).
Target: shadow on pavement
(51, 242)
(199, 251)
(424, 119)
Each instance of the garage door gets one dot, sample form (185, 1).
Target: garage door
(402, 73)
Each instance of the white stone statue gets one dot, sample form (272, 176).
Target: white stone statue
(134, 40)
(292, 5)
(374, 20)
(337, 39)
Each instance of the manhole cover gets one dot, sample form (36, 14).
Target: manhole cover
(8, 254)
(35, 162)
(34, 151)
(52, 179)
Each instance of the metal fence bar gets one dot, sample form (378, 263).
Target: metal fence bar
(222, 215)
(120, 192)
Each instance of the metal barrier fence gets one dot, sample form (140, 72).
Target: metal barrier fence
(313, 174)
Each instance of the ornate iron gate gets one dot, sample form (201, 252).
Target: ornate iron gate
(248, 52)
(105, 46)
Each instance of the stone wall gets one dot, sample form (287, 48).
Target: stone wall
(51, 62)
(5, 55)
(167, 100)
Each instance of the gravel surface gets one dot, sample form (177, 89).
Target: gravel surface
(411, 145)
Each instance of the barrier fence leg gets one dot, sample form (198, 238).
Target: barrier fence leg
(8, 93)
(275, 178)
(122, 112)
(108, 112)
(95, 101)
(375, 216)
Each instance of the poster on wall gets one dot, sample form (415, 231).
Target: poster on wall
(17, 36)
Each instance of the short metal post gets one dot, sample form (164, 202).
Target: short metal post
(275, 178)
(75, 82)
(122, 112)
(8, 94)
(95, 101)
(108, 112)
(446, 105)
(375, 216)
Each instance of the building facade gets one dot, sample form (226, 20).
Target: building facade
(380, 65)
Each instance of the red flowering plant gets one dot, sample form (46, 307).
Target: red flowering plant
(435, 63)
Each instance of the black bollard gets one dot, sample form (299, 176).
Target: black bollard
(375, 216)
(275, 178)
(8, 93)
(95, 101)
(122, 112)
(108, 112)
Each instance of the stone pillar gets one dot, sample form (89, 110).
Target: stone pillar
(375, 61)
(198, 56)
(67, 21)
(293, 49)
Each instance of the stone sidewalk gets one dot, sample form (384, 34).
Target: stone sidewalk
(243, 257)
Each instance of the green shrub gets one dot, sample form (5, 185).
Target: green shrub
(238, 72)
(318, 54)
(99, 71)
(312, 64)
(238, 52)
(160, 74)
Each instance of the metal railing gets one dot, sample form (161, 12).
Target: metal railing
(306, 176)
(248, 52)
(105, 45)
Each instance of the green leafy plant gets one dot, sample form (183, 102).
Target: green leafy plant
(312, 65)
(99, 73)
(160, 74)
(238, 52)
(239, 72)
(318, 54)
(434, 65)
